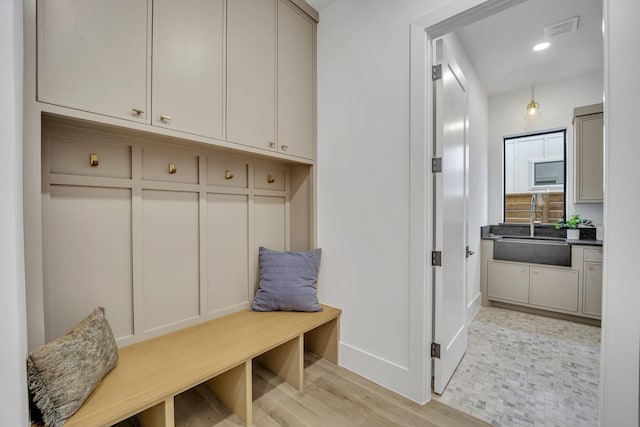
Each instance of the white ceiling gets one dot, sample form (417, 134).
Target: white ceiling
(500, 46)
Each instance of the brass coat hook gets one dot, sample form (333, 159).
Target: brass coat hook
(270, 179)
(93, 160)
(228, 175)
(172, 168)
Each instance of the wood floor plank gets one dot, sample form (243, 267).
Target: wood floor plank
(332, 396)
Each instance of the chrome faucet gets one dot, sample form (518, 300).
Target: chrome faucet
(532, 219)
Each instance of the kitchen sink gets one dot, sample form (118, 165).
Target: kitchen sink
(535, 250)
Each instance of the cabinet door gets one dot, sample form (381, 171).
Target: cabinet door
(268, 226)
(508, 282)
(227, 247)
(296, 56)
(88, 258)
(92, 56)
(251, 69)
(188, 66)
(554, 288)
(171, 249)
(592, 289)
(588, 161)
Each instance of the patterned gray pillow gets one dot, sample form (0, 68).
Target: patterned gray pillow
(64, 372)
(288, 281)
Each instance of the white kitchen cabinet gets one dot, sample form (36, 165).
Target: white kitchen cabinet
(554, 288)
(94, 56)
(508, 281)
(170, 261)
(251, 73)
(188, 66)
(588, 154)
(296, 65)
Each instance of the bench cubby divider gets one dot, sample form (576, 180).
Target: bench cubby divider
(233, 388)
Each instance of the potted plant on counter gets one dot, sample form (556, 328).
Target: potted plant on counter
(572, 225)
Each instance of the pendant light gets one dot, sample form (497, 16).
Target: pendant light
(533, 108)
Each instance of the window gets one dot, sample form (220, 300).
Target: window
(535, 164)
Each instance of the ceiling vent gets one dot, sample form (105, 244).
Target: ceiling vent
(567, 26)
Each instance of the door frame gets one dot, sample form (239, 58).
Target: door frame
(423, 31)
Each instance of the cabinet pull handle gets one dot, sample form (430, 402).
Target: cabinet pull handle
(270, 179)
(172, 168)
(590, 268)
(284, 147)
(272, 144)
(93, 160)
(165, 118)
(535, 271)
(228, 175)
(138, 112)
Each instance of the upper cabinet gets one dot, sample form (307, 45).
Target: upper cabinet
(240, 71)
(588, 154)
(94, 56)
(268, 62)
(188, 66)
(251, 73)
(296, 65)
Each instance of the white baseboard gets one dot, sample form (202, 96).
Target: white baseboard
(390, 375)
(473, 307)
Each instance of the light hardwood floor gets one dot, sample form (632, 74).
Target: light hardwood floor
(332, 397)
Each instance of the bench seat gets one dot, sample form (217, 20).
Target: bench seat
(218, 352)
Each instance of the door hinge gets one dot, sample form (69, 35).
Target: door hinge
(436, 258)
(436, 164)
(435, 350)
(436, 72)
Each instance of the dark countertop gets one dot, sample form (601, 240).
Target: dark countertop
(492, 232)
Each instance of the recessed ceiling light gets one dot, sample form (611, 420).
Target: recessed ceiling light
(541, 46)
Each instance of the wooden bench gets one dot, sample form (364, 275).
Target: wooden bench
(219, 353)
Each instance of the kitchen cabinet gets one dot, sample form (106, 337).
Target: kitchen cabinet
(508, 281)
(554, 288)
(94, 56)
(592, 266)
(188, 66)
(588, 154)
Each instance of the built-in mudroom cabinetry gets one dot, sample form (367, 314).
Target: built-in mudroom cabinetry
(159, 234)
(165, 141)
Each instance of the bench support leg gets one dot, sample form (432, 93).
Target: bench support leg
(323, 340)
(233, 388)
(286, 361)
(160, 415)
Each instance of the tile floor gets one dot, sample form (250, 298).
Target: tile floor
(526, 370)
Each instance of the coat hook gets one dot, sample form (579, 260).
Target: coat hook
(172, 168)
(228, 175)
(270, 179)
(93, 160)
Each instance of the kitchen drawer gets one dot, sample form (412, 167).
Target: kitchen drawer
(269, 178)
(72, 156)
(554, 288)
(227, 173)
(157, 166)
(593, 255)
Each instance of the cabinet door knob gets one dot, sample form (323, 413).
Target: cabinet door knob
(138, 112)
(165, 118)
(93, 160)
(284, 147)
(270, 179)
(228, 175)
(172, 168)
(272, 144)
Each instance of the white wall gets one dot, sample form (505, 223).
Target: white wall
(364, 187)
(619, 395)
(13, 335)
(477, 140)
(557, 101)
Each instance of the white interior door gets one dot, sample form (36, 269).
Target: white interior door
(450, 327)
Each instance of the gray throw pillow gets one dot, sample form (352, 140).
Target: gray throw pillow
(64, 372)
(288, 281)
